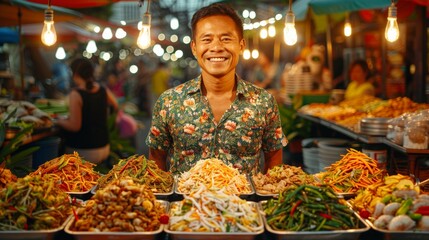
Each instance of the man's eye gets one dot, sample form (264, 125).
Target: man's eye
(226, 39)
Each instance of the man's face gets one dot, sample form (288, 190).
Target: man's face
(217, 45)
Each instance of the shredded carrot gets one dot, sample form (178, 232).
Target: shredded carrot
(341, 175)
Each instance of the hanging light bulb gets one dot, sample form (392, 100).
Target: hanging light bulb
(60, 54)
(246, 54)
(49, 35)
(255, 53)
(271, 31)
(289, 31)
(347, 27)
(263, 33)
(392, 30)
(144, 40)
(91, 47)
(107, 33)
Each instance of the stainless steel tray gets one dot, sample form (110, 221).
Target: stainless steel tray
(400, 235)
(242, 195)
(349, 234)
(34, 234)
(150, 235)
(176, 235)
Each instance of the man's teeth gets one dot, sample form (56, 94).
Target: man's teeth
(217, 59)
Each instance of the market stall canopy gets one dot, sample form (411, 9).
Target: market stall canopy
(77, 3)
(22, 12)
(301, 7)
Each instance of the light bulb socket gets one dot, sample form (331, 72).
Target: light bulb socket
(146, 20)
(49, 15)
(290, 18)
(392, 12)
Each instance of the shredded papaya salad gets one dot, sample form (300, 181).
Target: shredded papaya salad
(215, 174)
(74, 174)
(214, 211)
(33, 203)
(354, 171)
(141, 170)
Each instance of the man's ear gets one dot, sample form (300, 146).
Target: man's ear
(194, 52)
(242, 45)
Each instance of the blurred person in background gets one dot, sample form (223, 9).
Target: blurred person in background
(143, 88)
(160, 80)
(359, 83)
(85, 129)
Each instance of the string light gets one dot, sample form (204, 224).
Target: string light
(49, 35)
(347, 27)
(392, 30)
(289, 31)
(144, 40)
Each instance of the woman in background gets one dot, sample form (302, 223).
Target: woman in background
(86, 130)
(359, 81)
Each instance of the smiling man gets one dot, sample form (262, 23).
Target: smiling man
(216, 115)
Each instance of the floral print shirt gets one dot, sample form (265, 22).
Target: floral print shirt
(183, 125)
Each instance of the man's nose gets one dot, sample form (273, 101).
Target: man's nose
(217, 45)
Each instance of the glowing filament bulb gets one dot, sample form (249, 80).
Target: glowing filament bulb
(289, 31)
(144, 40)
(49, 35)
(392, 30)
(347, 29)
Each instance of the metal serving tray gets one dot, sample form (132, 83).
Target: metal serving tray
(400, 235)
(34, 234)
(177, 235)
(150, 235)
(242, 195)
(349, 234)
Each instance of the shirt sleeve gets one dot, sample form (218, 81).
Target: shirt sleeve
(159, 136)
(273, 138)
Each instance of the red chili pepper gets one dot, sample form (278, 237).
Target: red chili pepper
(324, 215)
(365, 214)
(25, 226)
(292, 211)
(13, 208)
(423, 210)
(164, 219)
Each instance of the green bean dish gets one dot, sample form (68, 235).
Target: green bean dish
(309, 208)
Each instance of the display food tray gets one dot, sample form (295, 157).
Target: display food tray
(349, 234)
(34, 234)
(160, 196)
(150, 235)
(178, 235)
(242, 195)
(400, 235)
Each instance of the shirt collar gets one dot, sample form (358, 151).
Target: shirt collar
(195, 85)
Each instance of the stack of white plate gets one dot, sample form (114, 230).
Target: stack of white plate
(331, 151)
(298, 82)
(374, 126)
(310, 154)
